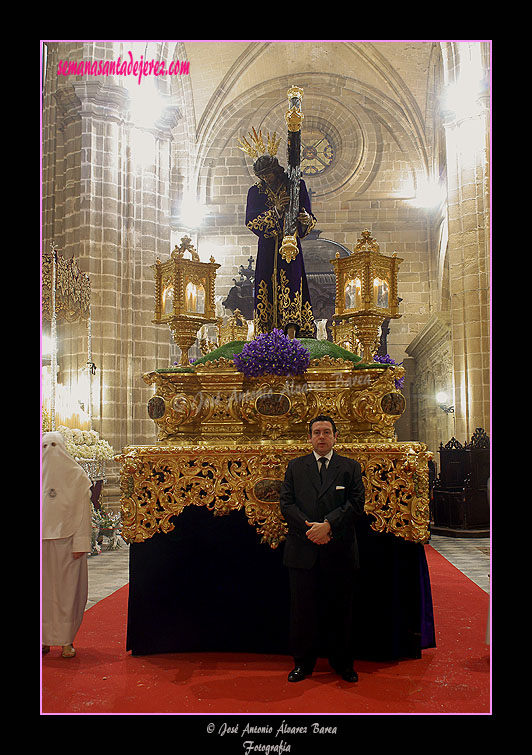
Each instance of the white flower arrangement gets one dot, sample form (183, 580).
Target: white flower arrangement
(85, 444)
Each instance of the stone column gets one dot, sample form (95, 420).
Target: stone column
(111, 209)
(432, 351)
(469, 258)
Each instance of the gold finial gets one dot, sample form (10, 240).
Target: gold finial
(295, 92)
(367, 242)
(185, 246)
(294, 116)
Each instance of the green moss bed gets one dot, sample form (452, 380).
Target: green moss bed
(317, 349)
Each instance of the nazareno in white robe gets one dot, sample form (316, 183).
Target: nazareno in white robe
(66, 529)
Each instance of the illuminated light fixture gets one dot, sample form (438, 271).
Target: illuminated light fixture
(428, 194)
(442, 400)
(192, 211)
(461, 97)
(146, 104)
(184, 295)
(366, 295)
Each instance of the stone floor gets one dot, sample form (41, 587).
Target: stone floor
(109, 570)
(470, 555)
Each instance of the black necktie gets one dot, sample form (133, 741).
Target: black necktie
(323, 461)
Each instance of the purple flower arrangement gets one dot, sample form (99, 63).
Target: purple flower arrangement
(386, 359)
(272, 354)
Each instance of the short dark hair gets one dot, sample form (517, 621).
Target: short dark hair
(322, 418)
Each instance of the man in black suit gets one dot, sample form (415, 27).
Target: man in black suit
(321, 551)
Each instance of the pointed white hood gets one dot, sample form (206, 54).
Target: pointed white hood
(65, 489)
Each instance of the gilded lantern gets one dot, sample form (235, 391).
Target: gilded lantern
(366, 292)
(184, 294)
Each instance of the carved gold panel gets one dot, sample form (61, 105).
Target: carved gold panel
(158, 482)
(217, 401)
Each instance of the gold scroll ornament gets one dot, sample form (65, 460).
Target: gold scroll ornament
(158, 482)
(294, 116)
(217, 402)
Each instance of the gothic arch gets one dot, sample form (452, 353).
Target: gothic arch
(370, 113)
(369, 53)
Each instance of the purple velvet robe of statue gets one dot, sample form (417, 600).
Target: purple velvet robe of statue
(281, 296)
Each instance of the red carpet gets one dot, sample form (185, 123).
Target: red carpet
(453, 678)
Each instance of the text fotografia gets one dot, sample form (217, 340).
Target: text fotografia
(120, 67)
(250, 745)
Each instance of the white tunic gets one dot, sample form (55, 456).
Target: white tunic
(66, 529)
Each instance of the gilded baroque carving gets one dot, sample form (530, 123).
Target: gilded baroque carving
(224, 441)
(218, 401)
(72, 288)
(157, 482)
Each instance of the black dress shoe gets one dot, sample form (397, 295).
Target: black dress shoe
(349, 675)
(298, 674)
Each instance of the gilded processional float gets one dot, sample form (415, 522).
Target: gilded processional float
(229, 423)
(225, 435)
(227, 426)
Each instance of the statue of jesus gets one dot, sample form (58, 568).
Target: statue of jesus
(281, 295)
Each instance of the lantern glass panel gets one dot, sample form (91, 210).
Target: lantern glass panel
(168, 300)
(353, 294)
(380, 293)
(195, 298)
